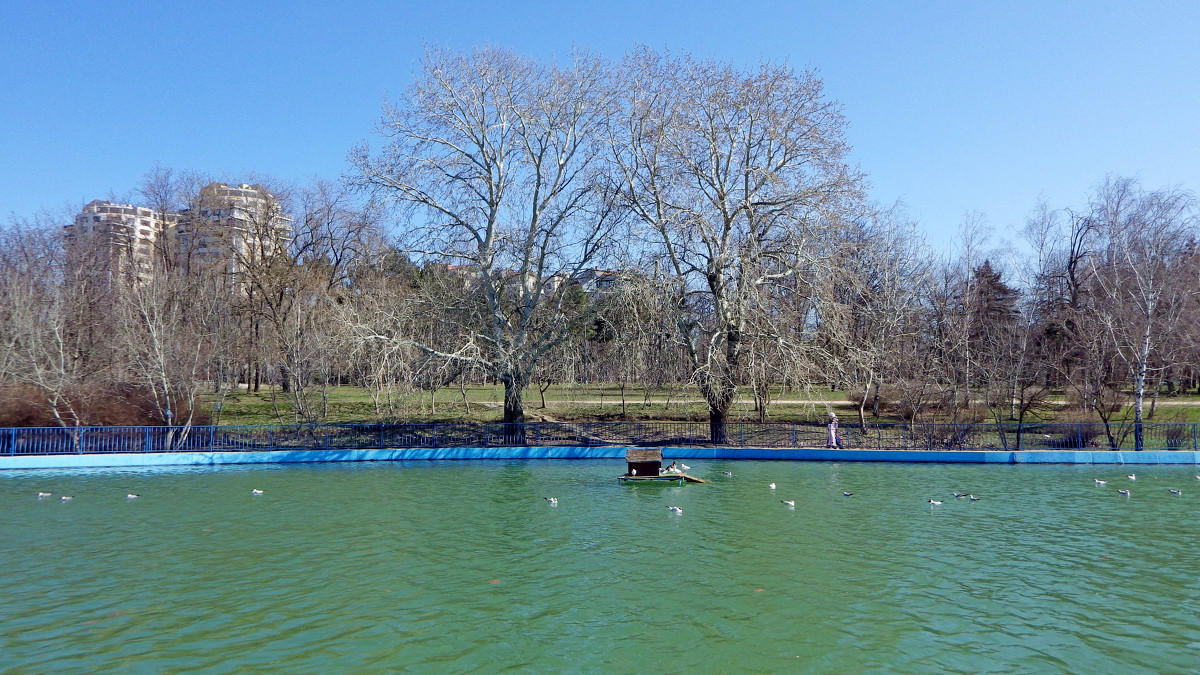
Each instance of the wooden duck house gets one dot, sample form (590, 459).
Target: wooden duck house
(643, 461)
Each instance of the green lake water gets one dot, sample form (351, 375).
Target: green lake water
(462, 566)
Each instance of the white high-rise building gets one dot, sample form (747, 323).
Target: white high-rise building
(227, 226)
(117, 238)
(231, 225)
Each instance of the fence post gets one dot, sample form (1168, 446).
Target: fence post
(12, 445)
(1195, 446)
(794, 444)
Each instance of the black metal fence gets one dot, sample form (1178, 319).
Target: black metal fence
(54, 440)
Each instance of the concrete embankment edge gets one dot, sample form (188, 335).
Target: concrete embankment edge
(117, 460)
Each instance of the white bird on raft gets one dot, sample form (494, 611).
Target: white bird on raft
(684, 467)
(1124, 492)
(552, 500)
(675, 509)
(789, 502)
(255, 491)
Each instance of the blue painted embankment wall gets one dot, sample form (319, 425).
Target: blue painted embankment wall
(151, 459)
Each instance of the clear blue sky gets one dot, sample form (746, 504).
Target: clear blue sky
(953, 106)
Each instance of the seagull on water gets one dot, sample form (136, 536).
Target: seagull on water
(847, 494)
(789, 502)
(43, 495)
(772, 486)
(973, 498)
(934, 502)
(730, 473)
(1132, 476)
(67, 498)
(1175, 492)
(675, 509)
(131, 496)
(1124, 492)
(255, 491)
(959, 495)
(1100, 482)
(553, 500)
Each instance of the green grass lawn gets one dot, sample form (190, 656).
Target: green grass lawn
(349, 405)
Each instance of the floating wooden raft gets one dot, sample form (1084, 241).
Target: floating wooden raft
(664, 478)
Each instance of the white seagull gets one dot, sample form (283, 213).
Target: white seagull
(255, 491)
(772, 486)
(973, 498)
(847, 494)
(959, 495)
(934, 502)
(730, 473)
(1175, 492)
(67, 498)
(553, 500)
(675, 509)
(789, 502)
(1124, 492)
(43, 495)
(684, 467)
(1132, 476)
(1100, 482)
(131, 496)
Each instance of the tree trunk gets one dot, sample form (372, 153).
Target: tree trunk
(717, 421)
(514, 409)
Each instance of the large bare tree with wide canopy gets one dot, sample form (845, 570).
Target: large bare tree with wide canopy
(739, 178)
(495, 159)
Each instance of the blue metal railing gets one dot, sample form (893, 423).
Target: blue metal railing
(57, 440)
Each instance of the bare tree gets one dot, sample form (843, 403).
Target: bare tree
(1137, 276)
(495, 158)
(735, 177)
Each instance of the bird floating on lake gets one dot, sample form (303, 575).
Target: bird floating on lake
(1100, 482)
(131, 496)
(847, 494)
(934, 502)
(43, 495)
(552, 500)
(675, 509)
(1175, 492)
(772, 486)
(789, 502)
(973, 498)
(1132, 476)
(255, 491)
(67, 498)
(959, 495)
(1124, 492)
(730, 473)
